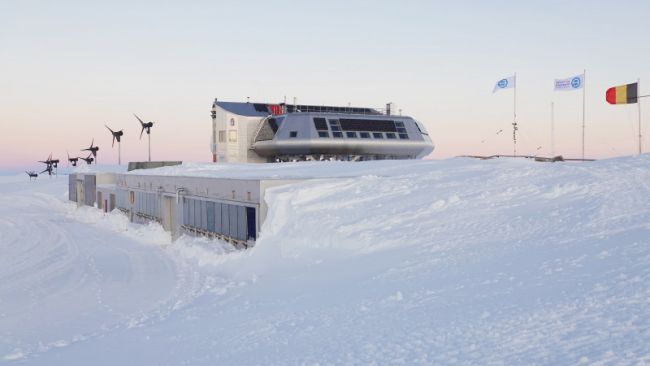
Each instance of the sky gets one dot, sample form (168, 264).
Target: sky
(69, 67)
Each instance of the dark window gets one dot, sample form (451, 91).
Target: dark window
(261, 107)
(419, 129)
(323, 134)
(403, 136)
(250, 219)
(401, 130)
(399, 124)
(351, 124)
(320, 123)
(390, 135)
(337, 134)
(351, 134)
(378, 135)
(293, 134)
(274, 124)
(336, 128)
(364, 135)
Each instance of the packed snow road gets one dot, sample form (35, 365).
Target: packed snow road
(427, 262)
(64, 279)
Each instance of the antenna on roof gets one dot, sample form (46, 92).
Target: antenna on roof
(248, 99)
(400, 111)
(388, 108)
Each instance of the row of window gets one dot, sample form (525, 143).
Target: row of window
(363, 135)
(350, 128)
(230, 220)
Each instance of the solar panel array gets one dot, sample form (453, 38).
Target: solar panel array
(373, 125)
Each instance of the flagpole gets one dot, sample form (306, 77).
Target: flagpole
(638, 101)
(584, 90)
(514, 119)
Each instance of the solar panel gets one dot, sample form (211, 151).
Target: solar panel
(379, 125)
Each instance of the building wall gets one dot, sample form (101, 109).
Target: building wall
(72, 187)
(229, 209)
(237, 136)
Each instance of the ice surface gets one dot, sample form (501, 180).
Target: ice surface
(405, 262)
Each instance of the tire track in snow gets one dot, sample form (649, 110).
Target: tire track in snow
(78, 279)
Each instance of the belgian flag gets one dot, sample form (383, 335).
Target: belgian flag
(623, 94)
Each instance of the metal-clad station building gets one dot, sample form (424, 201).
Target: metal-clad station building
(262, 132)
(228, 209)
(233, 209)
(86, 189)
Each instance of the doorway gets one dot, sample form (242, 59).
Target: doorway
(169, 213)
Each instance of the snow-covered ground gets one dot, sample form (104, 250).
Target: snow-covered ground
(405, 262)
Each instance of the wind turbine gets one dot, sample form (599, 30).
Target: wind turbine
(117, 135)
(32, 174)
(72, 160)
(145, 126)
(88, 159)
(93, 151)
(50, 163)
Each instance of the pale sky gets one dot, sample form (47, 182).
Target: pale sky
(69, 67)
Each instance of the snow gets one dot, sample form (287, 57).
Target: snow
(403, 262)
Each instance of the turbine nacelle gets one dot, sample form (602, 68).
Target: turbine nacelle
(73, 160)
(117, 135)
(89, 159)
(93, 149)
(145, 126)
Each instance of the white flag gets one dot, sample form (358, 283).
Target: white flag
(509, 82)
(572, 83)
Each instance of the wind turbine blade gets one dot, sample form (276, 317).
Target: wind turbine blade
(136, 116)
(109, 129)
(141, 132)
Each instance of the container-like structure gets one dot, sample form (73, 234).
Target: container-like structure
(232, 210)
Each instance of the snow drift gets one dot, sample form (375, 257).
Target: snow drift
(428, 262)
